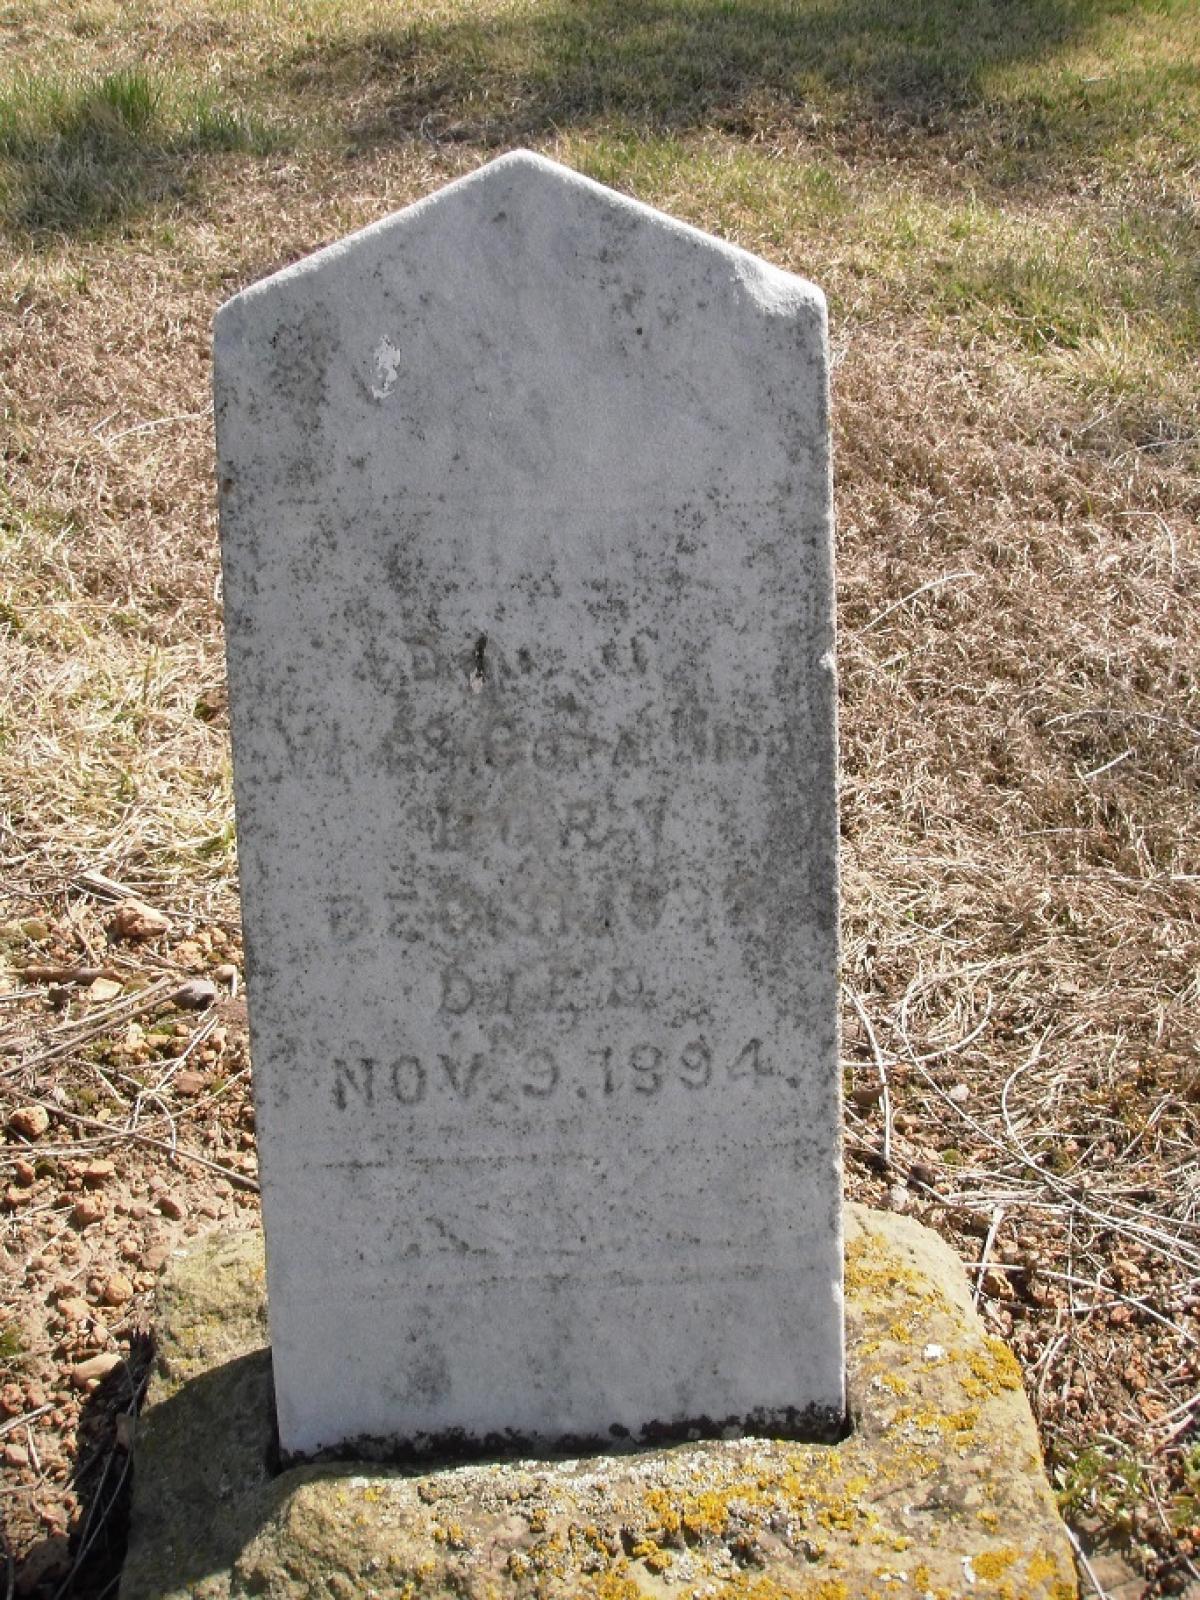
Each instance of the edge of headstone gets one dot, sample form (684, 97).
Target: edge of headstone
(775, 290)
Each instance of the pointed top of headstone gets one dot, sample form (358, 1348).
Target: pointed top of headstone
(528, 190)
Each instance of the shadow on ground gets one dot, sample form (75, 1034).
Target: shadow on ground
(675, 65)
(88, 156)
(85, 1563)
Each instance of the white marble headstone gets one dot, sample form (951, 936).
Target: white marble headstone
(525, 507)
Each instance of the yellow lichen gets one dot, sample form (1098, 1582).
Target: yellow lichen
(611, 1586)
(993, 1563)
(705, 1514)
(992, 1369)
(661, 1506)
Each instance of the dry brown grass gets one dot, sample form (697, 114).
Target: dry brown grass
(1020, 660)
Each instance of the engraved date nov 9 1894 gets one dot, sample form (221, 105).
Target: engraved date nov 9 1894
(602, 1073)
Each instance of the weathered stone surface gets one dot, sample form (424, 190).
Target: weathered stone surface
(527, 539)
(938, 1491)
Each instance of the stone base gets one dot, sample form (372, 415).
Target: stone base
(938, 1491)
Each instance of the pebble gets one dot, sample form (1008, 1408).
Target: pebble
(74, 1308)
(29, 1122)
(94, 1369)
(87, 1211)
(189, 1083)
(97, 1173)
(46, 1561)
(157, 1255)
(135, 920)
(195, 995)
(117, 1290)
(172, 1206)
(226, 973)
(898, 1198)
(25, 1173)
(960, 1093)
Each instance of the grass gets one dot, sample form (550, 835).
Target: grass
(82, 151)
(1002, 201)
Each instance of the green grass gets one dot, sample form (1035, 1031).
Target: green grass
(1103, 1481)
(80, 151)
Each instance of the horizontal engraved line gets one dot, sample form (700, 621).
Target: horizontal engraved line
(550, 1153)
(613, 1277)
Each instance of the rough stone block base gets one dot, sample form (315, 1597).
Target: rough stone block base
(938, 1491)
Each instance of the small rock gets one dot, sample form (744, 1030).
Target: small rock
(226, 973)
(14, 1197)
(74, 1308)
(960, 1094)
(12, 1401)
(117, 1290)
(866, 1095)
(133, 919)
(898, 1198)
(156, 1256)
(172, 1206)
(105, 989)
(16, 1455)
(94, 1369)
(130, 1250)
(87, 1211)
(97, 1173)
(188, 1083)
(25, 1173)
(29, 1122)
(996, 1283)
(47, 1561)
(210, 1208)
(195, 995)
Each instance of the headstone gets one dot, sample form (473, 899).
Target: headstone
(525, 506)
